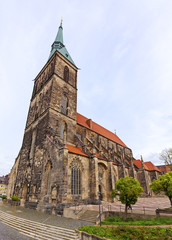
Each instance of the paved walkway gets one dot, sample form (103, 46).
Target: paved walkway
(143, 205)
(149, 205)
(43, 218)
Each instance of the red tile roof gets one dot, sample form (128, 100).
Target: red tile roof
(151, 166)
(147, 165)
(164, 168)
(98, 129)
(138, 163)
(76, 150)
(100, 157)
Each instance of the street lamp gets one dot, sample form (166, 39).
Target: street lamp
(99, 194)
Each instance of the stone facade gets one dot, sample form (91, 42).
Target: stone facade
(65, 157)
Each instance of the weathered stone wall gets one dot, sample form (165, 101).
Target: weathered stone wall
(12, 178)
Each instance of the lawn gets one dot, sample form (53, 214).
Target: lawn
(129, 233)
(154, 221)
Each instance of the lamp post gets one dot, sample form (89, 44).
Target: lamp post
(99, 193)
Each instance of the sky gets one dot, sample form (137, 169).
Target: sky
(123, 50)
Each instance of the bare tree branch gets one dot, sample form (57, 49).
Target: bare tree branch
(166, 156)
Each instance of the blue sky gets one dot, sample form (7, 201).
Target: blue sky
(124, 52)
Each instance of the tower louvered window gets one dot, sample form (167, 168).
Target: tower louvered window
(64, 105)
(75, 180)
(66, 74)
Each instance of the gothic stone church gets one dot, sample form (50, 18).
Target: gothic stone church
(65, 157)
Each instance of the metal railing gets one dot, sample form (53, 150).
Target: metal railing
(121, 208)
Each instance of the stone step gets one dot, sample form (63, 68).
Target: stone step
(37, 234)
(35, 223)
(38, 230)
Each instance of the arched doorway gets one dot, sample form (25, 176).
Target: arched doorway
(102, 178)
(47, 177)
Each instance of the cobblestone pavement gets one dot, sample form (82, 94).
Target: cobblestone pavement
(43, 218)
(8, 233)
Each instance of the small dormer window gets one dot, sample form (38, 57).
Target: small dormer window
(66, 74)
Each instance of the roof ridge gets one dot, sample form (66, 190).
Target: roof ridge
(108, 131)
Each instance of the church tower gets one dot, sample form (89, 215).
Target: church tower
(51, 124)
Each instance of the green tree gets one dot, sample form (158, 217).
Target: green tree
(128, 189)
(163, 184)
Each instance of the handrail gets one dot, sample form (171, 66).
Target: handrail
(81, 209)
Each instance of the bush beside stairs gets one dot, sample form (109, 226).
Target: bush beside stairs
(37, 230)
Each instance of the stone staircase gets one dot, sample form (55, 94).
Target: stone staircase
(89, 216)
(37, 230)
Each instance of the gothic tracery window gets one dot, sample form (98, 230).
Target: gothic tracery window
(66, 74)
(75, 179)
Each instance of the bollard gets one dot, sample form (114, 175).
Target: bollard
(144, 210)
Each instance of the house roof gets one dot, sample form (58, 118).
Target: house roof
(151, 166)
(88, 123)
(164, 168)
(76, 150)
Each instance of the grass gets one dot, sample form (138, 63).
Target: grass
(130, 221)
(129, 233)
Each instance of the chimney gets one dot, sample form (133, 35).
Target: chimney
(89, 122)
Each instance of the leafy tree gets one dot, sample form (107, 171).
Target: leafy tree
(128, 189)
(163, 184)
(166, 156)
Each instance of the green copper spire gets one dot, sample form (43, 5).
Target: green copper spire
(59, 37)
(59, 46)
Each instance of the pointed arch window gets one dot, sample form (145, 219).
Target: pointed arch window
(64, 105)
(66, 74)
(75, 180)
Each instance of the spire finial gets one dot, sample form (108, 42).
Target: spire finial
(61, 22)
(141, 158)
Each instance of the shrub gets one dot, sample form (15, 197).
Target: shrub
(4, 197)
(15, 198)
